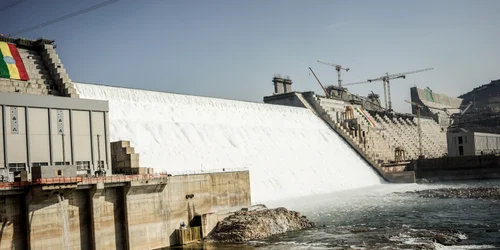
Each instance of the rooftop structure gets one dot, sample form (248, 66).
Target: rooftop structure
(33, 67)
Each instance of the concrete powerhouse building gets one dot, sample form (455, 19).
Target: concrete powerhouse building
(47, 132)
(45, 127)
(38, 131)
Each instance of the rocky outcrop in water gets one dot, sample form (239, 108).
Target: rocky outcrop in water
(471, 193)
(406, 238)
(247, 225)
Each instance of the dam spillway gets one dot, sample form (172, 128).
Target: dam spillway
(289, 151)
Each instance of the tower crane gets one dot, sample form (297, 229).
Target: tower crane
(386, 81)
(338, 68)
(419, 127)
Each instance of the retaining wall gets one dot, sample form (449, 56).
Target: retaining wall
(458, 168)
(124, 215)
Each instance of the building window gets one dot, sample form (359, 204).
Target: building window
(17, 167)
(460, 140)
(460, 150)
(100, 165)
(83, 165)
(59, 172)
(60, 163)
(39, 164)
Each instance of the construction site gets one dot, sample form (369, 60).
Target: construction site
(86, 166)
(403, 147)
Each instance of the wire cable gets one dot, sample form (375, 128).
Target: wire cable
(12, 5)
(62, 18)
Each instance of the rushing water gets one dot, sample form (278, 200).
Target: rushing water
(288, 150)
(64, 220)
(386, 217)
(290, 153)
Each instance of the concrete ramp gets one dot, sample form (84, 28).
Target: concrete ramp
(289, 151)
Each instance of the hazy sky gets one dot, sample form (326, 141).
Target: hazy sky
(232, 49)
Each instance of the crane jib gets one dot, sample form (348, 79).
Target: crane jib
(390, 77)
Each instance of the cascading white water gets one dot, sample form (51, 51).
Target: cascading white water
(289, 151)
(65, 222)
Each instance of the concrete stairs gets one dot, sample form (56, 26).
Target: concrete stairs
(124, 159)
(341, 130)
(390, 131)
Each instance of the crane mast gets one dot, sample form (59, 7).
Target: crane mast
(326, 92)
(387, 85)
(338, 68)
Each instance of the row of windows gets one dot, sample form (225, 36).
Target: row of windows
(80, 165)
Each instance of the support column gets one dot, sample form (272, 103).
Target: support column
(51, 146)
(95, 215)
(28, 154)
(72, 146)
(92, 172)
(4, 119)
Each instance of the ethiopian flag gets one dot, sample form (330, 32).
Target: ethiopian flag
(368, 120)
(11, 64)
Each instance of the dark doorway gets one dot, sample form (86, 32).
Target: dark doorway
(196, 221)
(460, 149)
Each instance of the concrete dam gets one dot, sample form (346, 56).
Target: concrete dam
(289, 151)
(71, 177)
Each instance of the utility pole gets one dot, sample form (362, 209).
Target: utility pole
(326, 92)
(419, 127)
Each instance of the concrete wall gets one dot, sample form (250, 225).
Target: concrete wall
(458, 168)
(46, 220)
(288, 99)
(108, 218)
(132, 215)
(53, 171)
(43, 130)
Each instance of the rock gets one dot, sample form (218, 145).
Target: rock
(468, 193)
(447, 237)
(446, 240)
(243, 226)
(360, 230)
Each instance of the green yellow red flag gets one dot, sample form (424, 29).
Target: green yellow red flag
(11, 64)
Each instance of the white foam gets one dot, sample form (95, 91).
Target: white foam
(438, 246)
(289, 151)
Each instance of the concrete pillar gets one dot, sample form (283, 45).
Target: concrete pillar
(287, 85)
(278, 84)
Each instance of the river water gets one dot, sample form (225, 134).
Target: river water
(386, 217)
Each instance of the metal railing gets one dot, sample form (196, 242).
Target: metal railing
(83, 180)
(123, 178)
(208, 171)
(112, 179)
(57, 180)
